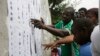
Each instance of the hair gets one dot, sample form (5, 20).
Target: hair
(83, 22)
(93, 11)
(84, 9)
(81, 25)
(70, 10)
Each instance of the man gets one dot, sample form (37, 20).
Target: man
(62, 29)
(82, 29)
(93, 15)
(95, 36)
(82, 12)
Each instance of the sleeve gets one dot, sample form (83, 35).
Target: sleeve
(95, 38)
(58, 25)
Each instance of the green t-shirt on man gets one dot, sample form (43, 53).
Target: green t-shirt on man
(70, 49)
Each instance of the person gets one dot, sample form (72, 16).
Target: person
(95, 38)
(82, 29)
(76, 15)
(82, 12)
(62, 29)
(93, 15)
(66, 40)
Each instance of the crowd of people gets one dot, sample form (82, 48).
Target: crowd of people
(77, 33)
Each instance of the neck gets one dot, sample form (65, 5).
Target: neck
(66, 22)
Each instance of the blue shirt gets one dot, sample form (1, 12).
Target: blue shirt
(85, 50)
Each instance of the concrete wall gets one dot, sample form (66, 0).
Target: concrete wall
(47, 37)
(3, 28)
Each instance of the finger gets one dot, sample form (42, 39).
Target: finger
(36, 23)
(53, 46)
(42, 20)
(46, 48)
(34, 20)
(38, 26)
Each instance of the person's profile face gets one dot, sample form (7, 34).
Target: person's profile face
(91, 17)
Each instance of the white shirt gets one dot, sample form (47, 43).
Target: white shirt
(95, 39)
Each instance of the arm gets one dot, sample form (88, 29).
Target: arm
(57, 32)
(49, 28)
(65, 40)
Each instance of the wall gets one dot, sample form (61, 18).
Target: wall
(3, 29)
(18, 37)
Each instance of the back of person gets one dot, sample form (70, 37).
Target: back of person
(82, 29)
(85, 50)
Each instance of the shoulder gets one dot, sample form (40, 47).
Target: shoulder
(58, 24)
(95, 33)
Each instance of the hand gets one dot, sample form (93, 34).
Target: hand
(33, 21)
(47, 46)
(37, 23)
(50, 45)
(54, 45)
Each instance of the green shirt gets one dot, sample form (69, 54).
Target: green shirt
(70, 49)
